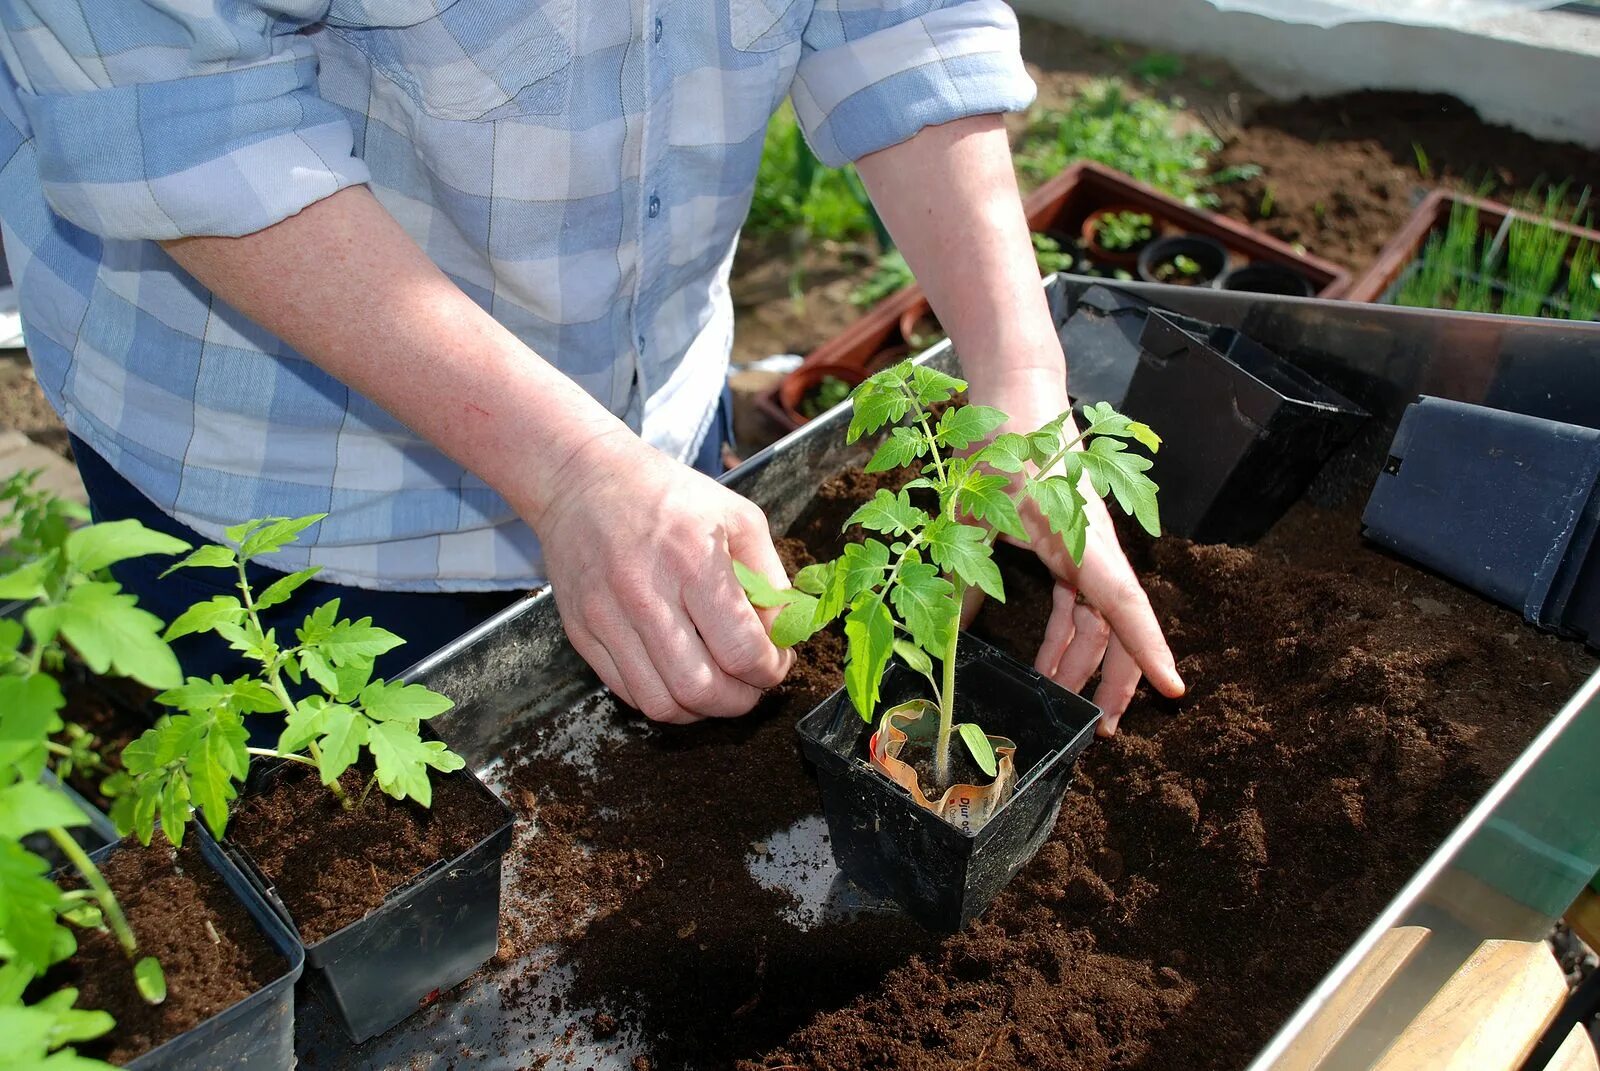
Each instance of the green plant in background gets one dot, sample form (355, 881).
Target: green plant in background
(902, 594)
(890, 274)
(1154, 68)
(195, 759)
(1179, 267)
(829, 392)
(1535, 257)
(1049, 255)
(1583, 282)
(1123, 230)
(60, 571)
(795, 192)
(1139, 136)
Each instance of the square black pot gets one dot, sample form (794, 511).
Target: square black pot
(428, 936)
(257, 1033)
(892, 847)
(1243, 430)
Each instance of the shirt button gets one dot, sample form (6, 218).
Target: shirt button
(641, 343)
(655, 206)
(658, 31)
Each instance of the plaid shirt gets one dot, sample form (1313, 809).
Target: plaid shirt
(580, 168)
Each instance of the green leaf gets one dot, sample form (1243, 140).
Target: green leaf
(933, 386)
(349, 640)
(210, 556)
(150, 980)
(29, 713)
(869, 638)
(960, 428)
(888, 512)
(878, 400)
(926, 603)
(964, 550)
(344, 732)
(29, 903)
(798, 621)
(27, 581)
(988, 499)
(1111, 467)
(319, 669)
(402, 762)
(1008, 453)
(814, 579)
(900, 448)
(303, 726)
(206, 616)
(244, 694)
(280, 590)
(96, 546)
(219, 765)
(275, 533)
(978, 747)
(861, 568)
(29, 807)
(759, 589)
(914, 656)
(111, 633)
(1062, 504)
(1102, 419)
(408, 704)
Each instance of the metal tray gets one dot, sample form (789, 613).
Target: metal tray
(1521, 854)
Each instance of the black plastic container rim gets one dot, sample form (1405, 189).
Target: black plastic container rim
(284, 941)
(829, 708)
(1265, 267)
(99, 821)
(396, 896)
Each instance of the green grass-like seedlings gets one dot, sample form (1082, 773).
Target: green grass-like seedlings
(899, 590)
(1123, 230)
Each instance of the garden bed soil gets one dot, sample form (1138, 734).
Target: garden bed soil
(1216, 857)
(332, 866)
(174, 911)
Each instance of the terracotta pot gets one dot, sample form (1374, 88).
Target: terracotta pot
(1114, 258)
(807, 378)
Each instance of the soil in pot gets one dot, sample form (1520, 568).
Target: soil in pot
(1265, 278)
(1115, 236)
(182, 913)
(1213, 861)
(333, 866)
(112, 716)
(1183, 260)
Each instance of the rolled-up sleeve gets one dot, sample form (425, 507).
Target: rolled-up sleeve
(872, 75)
(155, 119)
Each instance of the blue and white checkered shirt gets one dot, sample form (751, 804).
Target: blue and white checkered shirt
(580, 168)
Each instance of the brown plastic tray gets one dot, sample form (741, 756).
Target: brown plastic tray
(1061, 205)
(1433, 214)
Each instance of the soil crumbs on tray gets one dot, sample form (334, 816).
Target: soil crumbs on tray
(333, 866)
(1214, 860)
(184, 915)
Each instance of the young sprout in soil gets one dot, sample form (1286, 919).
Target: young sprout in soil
(1179, 268)
(195, 759)
(1123, 230)
(61, 571)
(901, 594)
(828, 393)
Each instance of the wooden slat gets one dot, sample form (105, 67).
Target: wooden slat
(1354, 996)
(1488, 1016)
(1584, 917)
(1575, 1054)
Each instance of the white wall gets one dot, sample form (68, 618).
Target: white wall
(1538, 72)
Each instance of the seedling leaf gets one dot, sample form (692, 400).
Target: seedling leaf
(96, 546)
(760, 590)
(869, 636)
(964, 550)
(960, 428)
(150, 979)
(978, 747)
(888, 513)
(210, 556)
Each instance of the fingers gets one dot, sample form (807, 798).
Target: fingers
(1119, 679)
(1057, 632)
(971, 603)
(733, 633)
(1127, 608)
(1086, 649)
(691, 684)
(599, 659)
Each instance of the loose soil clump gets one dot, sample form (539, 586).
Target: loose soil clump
(183, 914)
(333, 866)
(1213, 861)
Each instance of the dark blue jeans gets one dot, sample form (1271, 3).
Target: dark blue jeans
(425, 621)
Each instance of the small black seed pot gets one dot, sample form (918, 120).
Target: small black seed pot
(427, 937)
(1264, 278)
(890, 846)
(1209, 254)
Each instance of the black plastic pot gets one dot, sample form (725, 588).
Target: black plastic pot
(1243, 430)
(427, 937)
(892, 847)
(1503, 503)
(1262, 277)
(1206, 252)
(257, 1033)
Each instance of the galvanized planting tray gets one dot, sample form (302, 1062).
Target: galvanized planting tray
(1511, 867)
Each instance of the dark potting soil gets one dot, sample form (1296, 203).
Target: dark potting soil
(1340, 174)
(332, 866)
(109, 710)
(1214, 860)
(182, 913)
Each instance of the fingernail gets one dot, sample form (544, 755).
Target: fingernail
(1111, 724)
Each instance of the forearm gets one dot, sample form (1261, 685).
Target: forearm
(344, 285)
(949, 198)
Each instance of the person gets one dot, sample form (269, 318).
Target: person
(455, 273)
